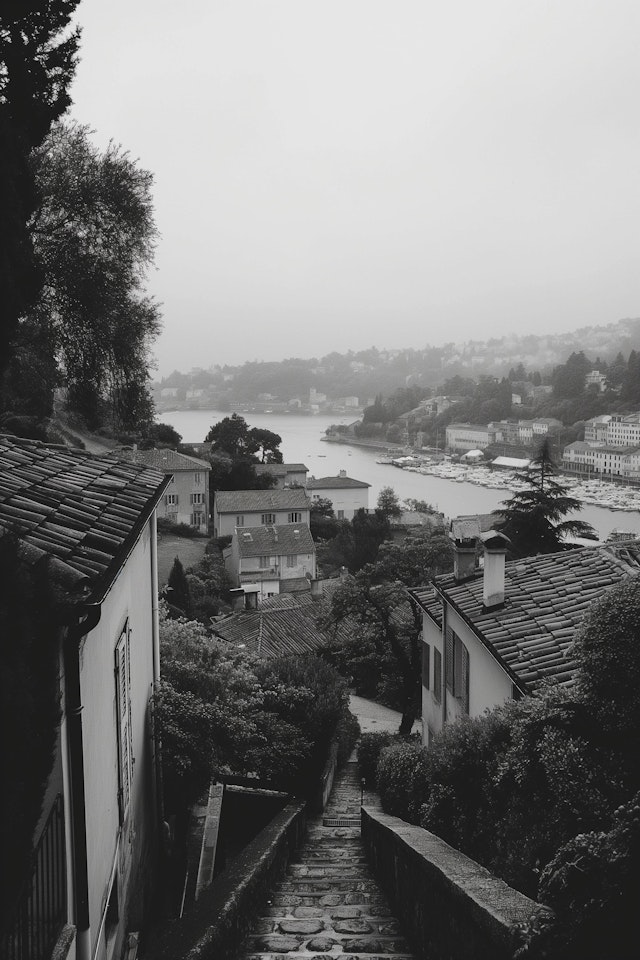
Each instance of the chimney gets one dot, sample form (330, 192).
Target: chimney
(342, 473)
(251, 600)
(237, 598)
(316, 588)
(495, 549)
(463, 534)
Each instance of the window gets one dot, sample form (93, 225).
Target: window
(295, 517)
(292, 560)
(197, 520)
(268, 518)
(457, 669)
(426, 664)
(437, 675)
(123, 698)
(263, 562)
(172, 499)
(240, 521)
(197, 477)
(340, 514)
(197, 498)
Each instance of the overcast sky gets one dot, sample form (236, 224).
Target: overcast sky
(332, 174)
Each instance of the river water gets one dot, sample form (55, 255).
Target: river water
(302, 443)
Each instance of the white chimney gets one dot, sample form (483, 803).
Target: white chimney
(495, 550)
(463, 533)
(342, 473)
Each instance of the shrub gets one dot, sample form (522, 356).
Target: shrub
(170, 528)
(398, 768)
(348, 734)
(369, 749)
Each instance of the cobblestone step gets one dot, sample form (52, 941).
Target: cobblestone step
(329, 905)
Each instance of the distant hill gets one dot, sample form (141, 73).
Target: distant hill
(365, 373)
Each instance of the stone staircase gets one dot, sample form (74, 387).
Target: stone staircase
(329, 905)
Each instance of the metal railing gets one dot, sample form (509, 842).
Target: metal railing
(41, 911)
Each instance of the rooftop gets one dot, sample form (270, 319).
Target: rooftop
(283, 626)
(283, 539)
(335, 483)
(83, 511)
(166, 461)
(546, 598)
(281, 469)
(253, 501)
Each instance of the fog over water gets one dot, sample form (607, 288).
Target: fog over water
(302, 443)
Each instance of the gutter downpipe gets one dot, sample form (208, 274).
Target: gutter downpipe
(443, 678)
(155, 631)
(73, 709)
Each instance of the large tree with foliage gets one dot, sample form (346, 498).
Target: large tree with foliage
(377, 599)
(38, 55)
(533, 517)
(94, 236)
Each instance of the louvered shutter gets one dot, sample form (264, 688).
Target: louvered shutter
(449, 660)
(426, 665)
(465, 679)
(123, 688)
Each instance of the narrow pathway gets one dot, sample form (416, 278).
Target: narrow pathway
(329, 905)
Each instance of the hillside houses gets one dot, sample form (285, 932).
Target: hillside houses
(187, 497)
(272, 559)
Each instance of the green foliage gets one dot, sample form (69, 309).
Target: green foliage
(38, 53)
(387, 644)
(593, 886)
(29, 711)
(511, 787)
(222, 712)
(167, 526)
(388, 503)
(608, 649)
(178, 587)
(369, 749)
(532, 518)
(94, 237)
(162, 434)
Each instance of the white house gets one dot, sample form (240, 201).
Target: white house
(92, 521)
(286, 474)
(462, 437)
(187, 497)
(499, 632)
(347, 495)
(272, 559)
(256, 508)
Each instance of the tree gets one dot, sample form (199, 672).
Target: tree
(630, 387)
(376, 597)
(163, 434)
(178, 586)
(322, 520)
(607, 647)
(532, 518)
(94, 237)
(388, 503)
(38, 55)
(569, 378)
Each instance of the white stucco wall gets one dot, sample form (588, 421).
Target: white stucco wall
(349, 499)
(130, 847)
(225, 523)
(489, 684)
(184, 484)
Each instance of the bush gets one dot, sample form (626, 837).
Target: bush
(399, 767)
(348, 734)
(369, 749)
(593, 887)
(177, 529)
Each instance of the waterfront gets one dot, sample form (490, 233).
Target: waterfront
(302, 443)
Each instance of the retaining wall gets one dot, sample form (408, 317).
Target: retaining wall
(449, 905)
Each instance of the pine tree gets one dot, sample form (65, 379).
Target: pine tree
(178, 584)
(533, 518)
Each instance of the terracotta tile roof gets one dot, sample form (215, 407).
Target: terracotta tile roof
(336, 483)
(546, 598)
(253, 501)
(281, 469)
(83, 511)
(273, 630)
(166, 461)
(280, 540)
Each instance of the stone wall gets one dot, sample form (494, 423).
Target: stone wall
(449, 905)
(222, 915)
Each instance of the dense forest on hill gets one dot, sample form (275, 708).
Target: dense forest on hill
(366, 373)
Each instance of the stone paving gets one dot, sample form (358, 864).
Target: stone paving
(329, 904)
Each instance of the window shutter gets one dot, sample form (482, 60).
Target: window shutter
(437, 675)
(123, 690)
(449, 660)
(465, 678)
(458, 647)
(426, 665)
